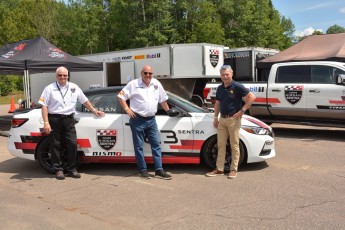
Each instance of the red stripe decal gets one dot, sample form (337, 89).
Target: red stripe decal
(337, 102)
(28, 146)
(189, 144)
(268, 100)
(37, 134)
(84, 143)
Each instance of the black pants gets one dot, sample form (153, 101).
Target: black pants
(63, 144)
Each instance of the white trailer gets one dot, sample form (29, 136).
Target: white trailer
(243, 62)
(183, 69)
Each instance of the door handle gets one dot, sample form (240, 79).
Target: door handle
(127, 124)
(276, 90)
(314, 91)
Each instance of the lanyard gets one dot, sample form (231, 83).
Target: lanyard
(62, 95)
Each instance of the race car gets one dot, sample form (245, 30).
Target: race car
(187, 135)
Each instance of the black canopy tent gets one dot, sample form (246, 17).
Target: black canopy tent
(11, 66)
(37, 55)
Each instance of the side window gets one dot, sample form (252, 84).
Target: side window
(322, 75)
(292, 74)
(107, 102)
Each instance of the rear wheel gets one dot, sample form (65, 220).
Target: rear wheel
(210, 153)
(44, 156)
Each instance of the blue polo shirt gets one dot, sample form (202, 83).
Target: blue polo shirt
(230, 97)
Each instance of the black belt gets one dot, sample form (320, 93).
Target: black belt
(227, 115)
(137, 115)
(61, 115)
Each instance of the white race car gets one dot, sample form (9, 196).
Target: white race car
(187, 137)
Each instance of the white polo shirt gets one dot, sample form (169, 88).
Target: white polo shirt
(62, 99)
(144, 99)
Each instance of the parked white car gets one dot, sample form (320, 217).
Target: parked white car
(188, 137)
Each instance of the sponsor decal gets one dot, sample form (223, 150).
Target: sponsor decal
(106, 138)
(72, 90)
(257, 89)
(214, 57)
(113, 154)
(56, 53)
(157, 55)
(15, 51)
(293, 93)
(330, 107)
(139, 57)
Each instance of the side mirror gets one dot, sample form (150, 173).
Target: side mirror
(173, 112)
(341, 79)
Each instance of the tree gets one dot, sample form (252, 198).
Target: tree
(335, 29)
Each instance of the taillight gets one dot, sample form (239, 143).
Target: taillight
(206, 91)
(17, 122)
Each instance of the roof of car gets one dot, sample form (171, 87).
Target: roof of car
(103, 89)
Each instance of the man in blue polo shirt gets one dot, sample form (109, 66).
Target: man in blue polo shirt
(229, 103)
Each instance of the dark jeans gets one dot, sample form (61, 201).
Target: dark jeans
(142, 127)
(62, 142)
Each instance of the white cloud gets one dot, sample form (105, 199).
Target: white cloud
(308, 31)
(342, 10)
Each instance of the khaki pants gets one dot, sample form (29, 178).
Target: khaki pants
(228, 127)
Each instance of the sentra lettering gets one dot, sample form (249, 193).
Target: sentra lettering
(114, 154)
(191, 132)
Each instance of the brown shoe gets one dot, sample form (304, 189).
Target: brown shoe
(232, 174)
(60, 175)
(215, 172)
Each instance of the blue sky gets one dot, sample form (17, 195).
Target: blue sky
(311, 15)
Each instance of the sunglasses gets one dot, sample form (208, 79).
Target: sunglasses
(148, 73)
(60, 75)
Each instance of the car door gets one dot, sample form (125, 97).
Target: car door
(101, 136)
(325, 99)
(289, 91)
(175, 134)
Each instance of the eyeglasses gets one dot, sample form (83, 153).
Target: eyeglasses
(148, 73)
(60, 75)
(226, 67)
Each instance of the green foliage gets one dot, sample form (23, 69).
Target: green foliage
(335, 29)
(93, 26)
(10, 84)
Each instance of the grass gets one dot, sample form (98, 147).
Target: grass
(4, 100)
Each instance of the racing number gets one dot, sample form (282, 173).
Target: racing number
(172, 137)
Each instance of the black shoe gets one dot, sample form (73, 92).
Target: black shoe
(73, 174)
(163, 175)
(59, 175)
(144, 174)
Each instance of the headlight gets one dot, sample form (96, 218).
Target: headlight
(257, 130)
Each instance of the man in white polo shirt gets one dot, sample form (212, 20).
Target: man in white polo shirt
(144, 95)
(58, 102)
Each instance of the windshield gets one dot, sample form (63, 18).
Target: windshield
(184, 104)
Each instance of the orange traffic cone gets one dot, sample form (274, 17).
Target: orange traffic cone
(13, 106)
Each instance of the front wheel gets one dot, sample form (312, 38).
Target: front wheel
(44, 156)
(210, 153)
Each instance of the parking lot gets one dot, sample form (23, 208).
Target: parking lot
(301, 188)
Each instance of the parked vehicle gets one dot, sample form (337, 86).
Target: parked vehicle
(183, 69)
(298, 93)
(189, 137)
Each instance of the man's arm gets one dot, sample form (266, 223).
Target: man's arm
(46, 125)
(88, 105)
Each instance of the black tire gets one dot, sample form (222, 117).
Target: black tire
(210, 152)
(43, 156)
